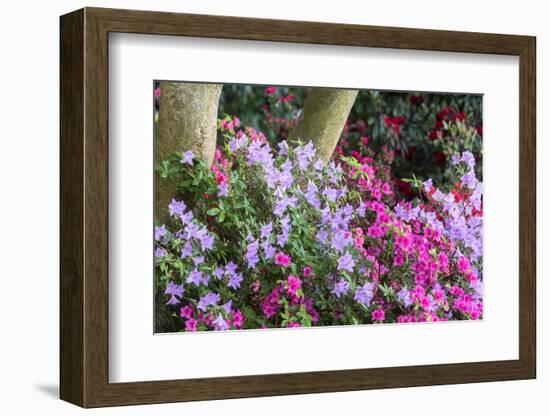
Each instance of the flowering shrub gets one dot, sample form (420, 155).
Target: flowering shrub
(418, 132)
(270, 236)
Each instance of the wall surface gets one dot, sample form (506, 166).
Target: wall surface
(29, 159)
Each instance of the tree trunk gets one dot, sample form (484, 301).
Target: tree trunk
(187, 121)
(323, 118)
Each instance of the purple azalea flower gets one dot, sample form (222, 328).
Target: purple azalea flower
(160, 252)
(230, 267)
(223, 189)
(266, 230)
(285, 231)
(341, 192)
(237, 143)
(235, 280)
(347, 212)
(322, 235)
(210, 299)
(176, 208)
(311, 195)
(318, 165)
(304, 155)
(340, 288)
(260, 153)
(195, 277)
(469, 179)
(269, 250)
(160, 232)
(220, 324)
(284, 177)
(205, 279)
(252, 254)
(341, 240)
(186, 218)
(187, 250)
(283, 148)
(427, 185)
(219, 272)
(346, 262)
(404, 295)
(283, 203)
(326, 216)
(331, 194)
(191, 230)
(207, 242)
(227, 306)
(188, 157)
(469, 159)
(334, 172)
(175, 291)
(364, 294)
(477, 286)
(198, 260)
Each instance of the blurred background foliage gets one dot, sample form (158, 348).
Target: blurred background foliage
(414, 132)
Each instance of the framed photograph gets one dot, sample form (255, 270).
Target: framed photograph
(257, 207)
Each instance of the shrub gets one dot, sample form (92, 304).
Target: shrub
(270, 238)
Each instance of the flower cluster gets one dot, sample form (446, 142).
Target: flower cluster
(273, 237)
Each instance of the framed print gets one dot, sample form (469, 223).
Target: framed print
(261, 207)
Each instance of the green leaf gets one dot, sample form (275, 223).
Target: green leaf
(213, 212)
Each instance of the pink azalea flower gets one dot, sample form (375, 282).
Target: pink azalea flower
(227, 125)
(294, 324)
(378, 315)
(463, 264)
(157, 92)
(270, 90)
(186, 312)
(238, 319)
(255, 286)
(282, 259)
(191, 325)
(307, 271)
(294, 283)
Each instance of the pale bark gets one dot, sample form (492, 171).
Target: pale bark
(187, 121)
(323, 119)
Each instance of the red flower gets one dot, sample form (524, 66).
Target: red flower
(416, 99)
(459, 116)
(434, 134)
(388, 121)
(457, 195)
(404, 187)
(444, 113)
(410, 153)
(399, 120)
(394, 123)
(439, 158)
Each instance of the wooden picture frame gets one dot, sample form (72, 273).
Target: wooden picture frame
(84, 207)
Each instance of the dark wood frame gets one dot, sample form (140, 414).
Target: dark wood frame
(84, 207)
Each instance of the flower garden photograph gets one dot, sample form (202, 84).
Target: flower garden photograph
(289, 207)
